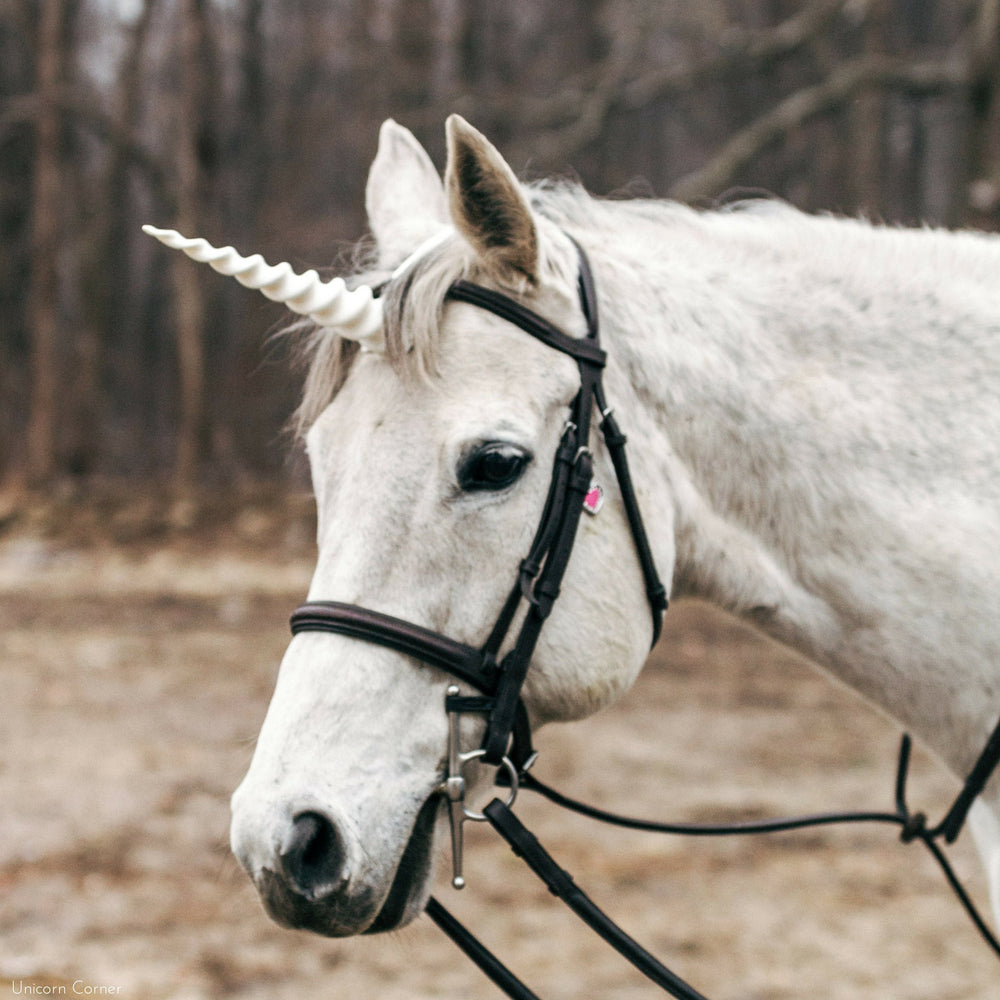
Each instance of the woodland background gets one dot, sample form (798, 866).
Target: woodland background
(254, 123)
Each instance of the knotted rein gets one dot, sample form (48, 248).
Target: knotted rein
(507, 740)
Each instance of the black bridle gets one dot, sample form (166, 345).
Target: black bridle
(540, 575)
(507, 740)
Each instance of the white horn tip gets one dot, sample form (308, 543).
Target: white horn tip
(169, 237)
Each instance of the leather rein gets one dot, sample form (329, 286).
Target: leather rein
(507, 740)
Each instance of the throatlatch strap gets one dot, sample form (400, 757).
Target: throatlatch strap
(656, 593)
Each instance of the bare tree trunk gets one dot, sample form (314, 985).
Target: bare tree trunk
(105, 268)
(187, 288)
(252, 139)
(42, 306)
(978, 190)
(867, 118)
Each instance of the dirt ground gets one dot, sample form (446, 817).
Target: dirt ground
(135, 677)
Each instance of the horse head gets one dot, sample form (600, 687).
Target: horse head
(431, 451)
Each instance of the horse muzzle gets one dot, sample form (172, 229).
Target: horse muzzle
(312, 875)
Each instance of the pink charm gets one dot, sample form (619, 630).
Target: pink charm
(594, 500)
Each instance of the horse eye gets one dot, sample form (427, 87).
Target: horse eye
(492, 467)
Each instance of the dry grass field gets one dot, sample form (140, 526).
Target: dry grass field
(134, 680)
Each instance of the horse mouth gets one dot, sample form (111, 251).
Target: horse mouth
(413, 873)
(339, 915)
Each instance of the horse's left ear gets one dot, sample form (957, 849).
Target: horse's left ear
(487, 203)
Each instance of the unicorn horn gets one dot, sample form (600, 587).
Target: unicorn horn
(353, 313)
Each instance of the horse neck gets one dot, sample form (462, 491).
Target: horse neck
(762, 363)
(705, 337)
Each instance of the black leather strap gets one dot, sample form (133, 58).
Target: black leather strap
(656, 593)
(474, 949)
(541, 572)
(562, 465)
(514, 667)
(561, 884)
(583, 349)
(464, 662)
(951, 825)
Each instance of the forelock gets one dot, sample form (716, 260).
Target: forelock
(412, 308)
(413, 302)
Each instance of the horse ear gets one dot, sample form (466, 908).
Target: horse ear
(487, 203)
(404, 196)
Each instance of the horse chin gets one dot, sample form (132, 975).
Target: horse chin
(409, 890)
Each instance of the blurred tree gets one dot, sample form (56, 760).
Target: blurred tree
(18, 27)
(43, 290)
(191, 147)
(109, 219)
(254, 123)
(980, 191)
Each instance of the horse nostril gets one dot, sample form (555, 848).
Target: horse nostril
(312, 856)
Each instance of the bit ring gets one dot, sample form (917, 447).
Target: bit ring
(507, 764)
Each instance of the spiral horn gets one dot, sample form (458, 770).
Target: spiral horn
(353, 313)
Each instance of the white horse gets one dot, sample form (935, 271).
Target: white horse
(813, 411)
